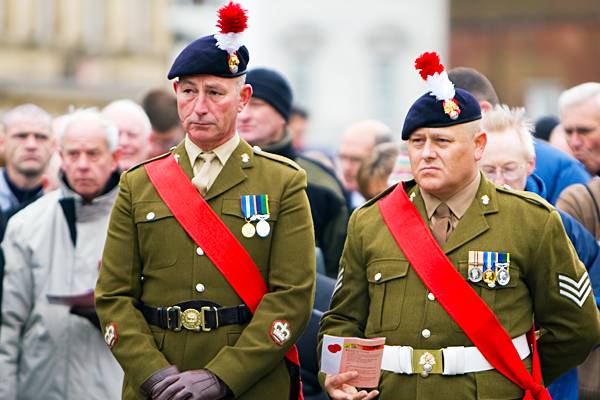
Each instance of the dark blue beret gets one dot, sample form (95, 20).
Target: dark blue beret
(272, 87)
(428, 112)
(203, 57)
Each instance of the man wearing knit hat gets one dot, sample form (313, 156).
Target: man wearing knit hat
(208, 271)
(263, 123)
(451, 269)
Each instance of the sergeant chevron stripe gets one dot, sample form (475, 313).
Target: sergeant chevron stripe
(573, 290)
(340, 277)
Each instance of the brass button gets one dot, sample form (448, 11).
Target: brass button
(426, 333)
(199, 251)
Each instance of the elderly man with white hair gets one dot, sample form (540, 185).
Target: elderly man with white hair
(579, 109)
(134, 131)
(50, 345)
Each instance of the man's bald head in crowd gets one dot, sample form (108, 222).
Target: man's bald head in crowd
(357, 143)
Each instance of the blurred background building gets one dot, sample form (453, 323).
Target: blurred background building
(346, 59)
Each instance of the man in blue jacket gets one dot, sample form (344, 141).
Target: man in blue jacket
(509, 160)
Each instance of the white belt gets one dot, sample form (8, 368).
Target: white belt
(449, 361)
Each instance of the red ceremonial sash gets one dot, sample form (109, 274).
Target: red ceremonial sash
(455, 295)
(210, 233)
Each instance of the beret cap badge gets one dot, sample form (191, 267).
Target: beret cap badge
(232, 22)
(433, 72)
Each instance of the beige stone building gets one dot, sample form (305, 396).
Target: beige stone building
(61, 53)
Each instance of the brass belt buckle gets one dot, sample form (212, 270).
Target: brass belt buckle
(195, 320)
(427, 362)
(175, 327)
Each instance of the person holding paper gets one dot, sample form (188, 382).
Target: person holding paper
(50, 347)
(452, 270)
(209, 266)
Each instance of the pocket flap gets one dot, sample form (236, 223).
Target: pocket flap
(380, 271)
(150, 211)
(234, 207)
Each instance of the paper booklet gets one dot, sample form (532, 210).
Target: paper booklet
(342, 354)
(85, 299)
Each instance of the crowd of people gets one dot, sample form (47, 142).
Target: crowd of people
(168, 249)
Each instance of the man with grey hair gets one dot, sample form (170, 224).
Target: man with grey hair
(579, 109)
(50, 345)
(27, 144)
(134, 131)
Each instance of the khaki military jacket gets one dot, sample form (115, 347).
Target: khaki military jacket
(149, 258)
(379, 294)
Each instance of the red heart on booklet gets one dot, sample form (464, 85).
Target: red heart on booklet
(334, 348)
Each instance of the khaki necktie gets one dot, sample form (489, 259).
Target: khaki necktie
(202, 177)
(441, 225)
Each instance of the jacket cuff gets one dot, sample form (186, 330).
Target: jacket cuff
(146, 387)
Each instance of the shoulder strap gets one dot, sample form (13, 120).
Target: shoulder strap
(455, 295)
(210, 233)
(586, 186)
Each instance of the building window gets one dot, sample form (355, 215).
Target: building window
(44, 27)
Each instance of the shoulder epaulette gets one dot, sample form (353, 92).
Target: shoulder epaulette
(149, 160)
(378, 197)
(275, 157)
(530, 197)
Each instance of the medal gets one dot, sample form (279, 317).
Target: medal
(262, 228)
(489, 268)
(255, 207)
(503, 267)
(475, 269)
(248, 230)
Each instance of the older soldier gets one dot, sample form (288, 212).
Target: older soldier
(50, 346)
(452, 269)
(134, 131)
(209, 266)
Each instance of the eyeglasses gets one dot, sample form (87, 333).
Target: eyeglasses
(510, 172)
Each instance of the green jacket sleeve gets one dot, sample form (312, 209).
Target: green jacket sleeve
(118, 290)
(568, 318)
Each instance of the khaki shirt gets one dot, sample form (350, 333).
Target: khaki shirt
(222, 152)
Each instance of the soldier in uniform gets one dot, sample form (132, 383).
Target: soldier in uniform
(506, 252)
(209, 309)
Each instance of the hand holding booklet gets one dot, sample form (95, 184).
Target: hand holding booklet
(84, 299)
(342, 354)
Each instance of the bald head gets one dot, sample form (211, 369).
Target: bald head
(358, 143)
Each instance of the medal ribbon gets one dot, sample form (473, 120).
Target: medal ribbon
(456, 296)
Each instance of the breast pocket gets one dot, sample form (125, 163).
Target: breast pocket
(158, 234)
(387, 290)
(499, 298)
(232, 211)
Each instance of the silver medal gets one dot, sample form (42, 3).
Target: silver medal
(475, 274)
(262, 228)
(503, 277)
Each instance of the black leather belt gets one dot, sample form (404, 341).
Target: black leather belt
(195, 315)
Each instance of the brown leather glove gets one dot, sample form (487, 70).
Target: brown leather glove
(159, 381)
(199, 384)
